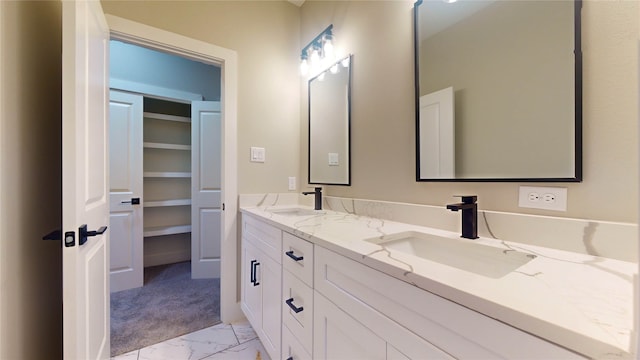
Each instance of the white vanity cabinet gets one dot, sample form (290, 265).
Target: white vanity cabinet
(261, 278)
(329, 306)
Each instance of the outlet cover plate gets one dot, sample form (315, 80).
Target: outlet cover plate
(543, 197)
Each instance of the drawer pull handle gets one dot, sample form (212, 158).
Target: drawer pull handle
(254, 270)
(293, 307)
(295, 258)
(290, 358)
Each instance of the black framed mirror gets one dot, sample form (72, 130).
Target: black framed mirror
(498, 90)
(330, 124)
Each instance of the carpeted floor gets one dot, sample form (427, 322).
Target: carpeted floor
(169, 304)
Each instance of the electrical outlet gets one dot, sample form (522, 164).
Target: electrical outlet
(547, 198)
(292, 182)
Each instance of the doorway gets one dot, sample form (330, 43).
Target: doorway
(165, 169)
(157, 39)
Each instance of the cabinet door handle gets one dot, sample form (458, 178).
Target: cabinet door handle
(254, 272)
(293, 307)
(290, 358)
(295, 258)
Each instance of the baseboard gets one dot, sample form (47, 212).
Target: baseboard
(166, 258)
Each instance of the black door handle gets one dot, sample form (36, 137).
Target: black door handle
(83, 233)
(54, 235)
(133, 201)
(293, 307)
(295, 258)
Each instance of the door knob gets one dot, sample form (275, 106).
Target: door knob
(133, 201)
(83, 233)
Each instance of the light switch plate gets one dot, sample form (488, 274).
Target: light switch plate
(334, 159)
(257, 154)
(292, 182)
(539, 197)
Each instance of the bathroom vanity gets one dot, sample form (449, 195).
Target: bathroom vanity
(327, 284)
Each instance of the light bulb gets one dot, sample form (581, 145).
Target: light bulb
(304, 67)
(334, 69)
(328, 48)
(315, 56)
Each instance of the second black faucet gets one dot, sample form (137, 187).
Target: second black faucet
(318, 197)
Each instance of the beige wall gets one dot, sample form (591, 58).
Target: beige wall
(30, 188)
(379, 34)
(273, 111)
(265, 34)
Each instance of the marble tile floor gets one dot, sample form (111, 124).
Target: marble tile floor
(237, 341)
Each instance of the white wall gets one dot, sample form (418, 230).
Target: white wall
(30, 185)
(142, 65)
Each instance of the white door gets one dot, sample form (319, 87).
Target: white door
(206, 185)
(437, 135)
(125, 190)
(85, 180)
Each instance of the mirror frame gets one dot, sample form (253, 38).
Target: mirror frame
(578, 106)
(349, 85)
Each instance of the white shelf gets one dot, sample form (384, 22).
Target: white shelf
(152, 145)
(173, 202)
(167, 230)
(166, 174)
(156, 116)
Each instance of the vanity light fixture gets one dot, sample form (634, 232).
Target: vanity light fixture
(318, 50)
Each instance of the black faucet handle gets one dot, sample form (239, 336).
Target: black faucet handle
(468, 199)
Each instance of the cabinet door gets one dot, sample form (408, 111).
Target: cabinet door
(270, 278)
(337, 335)
(251, 291)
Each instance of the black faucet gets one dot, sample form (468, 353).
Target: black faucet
(318, 197)
(469, 209)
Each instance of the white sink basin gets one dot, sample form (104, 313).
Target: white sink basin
(463, 254)
(296, 212)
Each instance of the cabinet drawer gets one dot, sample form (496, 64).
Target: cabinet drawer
(265, 237)
(370, 295)
(291, 347)
(297, 257)
(296, 295)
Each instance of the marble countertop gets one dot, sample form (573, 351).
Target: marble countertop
(581, 302)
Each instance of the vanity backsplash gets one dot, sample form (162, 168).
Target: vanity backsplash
(592, 237)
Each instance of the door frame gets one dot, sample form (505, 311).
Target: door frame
(157, 39)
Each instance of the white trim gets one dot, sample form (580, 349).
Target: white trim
(156, 91)
(636, 319)
(3, 237)
(150, 37)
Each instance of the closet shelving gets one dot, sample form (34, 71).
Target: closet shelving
(167, 174)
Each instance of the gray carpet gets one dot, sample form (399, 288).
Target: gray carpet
(169, 304)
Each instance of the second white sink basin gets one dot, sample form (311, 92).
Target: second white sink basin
(463, 254)
(296, 212)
